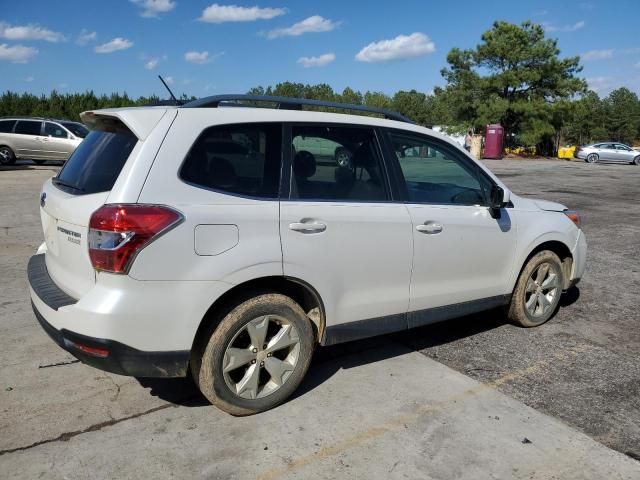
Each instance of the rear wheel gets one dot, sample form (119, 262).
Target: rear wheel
(256, 357)
(537, 293)
(592, 158)
(7, 157)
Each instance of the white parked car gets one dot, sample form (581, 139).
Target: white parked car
(195, 239)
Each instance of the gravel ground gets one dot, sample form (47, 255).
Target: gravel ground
(583, 366)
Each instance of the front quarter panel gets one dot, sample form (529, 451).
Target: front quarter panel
(536, 227)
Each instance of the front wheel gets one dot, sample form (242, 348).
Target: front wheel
(537, 293)
(7, 157)
(256, 357)
(592, 158)
(637, 160)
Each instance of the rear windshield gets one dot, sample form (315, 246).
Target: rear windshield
(96, 163)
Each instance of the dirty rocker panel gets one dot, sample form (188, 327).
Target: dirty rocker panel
(371, 327)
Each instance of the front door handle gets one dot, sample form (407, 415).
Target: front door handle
(310, 227)
(429, 228)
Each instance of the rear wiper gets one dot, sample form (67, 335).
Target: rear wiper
(57, 181)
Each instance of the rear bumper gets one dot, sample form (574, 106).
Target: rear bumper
(115, 357)
(48, 300)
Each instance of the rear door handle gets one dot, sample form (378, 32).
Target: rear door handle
(429, 228)
(310, 227)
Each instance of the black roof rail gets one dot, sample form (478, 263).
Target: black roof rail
(289, 103)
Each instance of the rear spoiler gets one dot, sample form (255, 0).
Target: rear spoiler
(141, 121)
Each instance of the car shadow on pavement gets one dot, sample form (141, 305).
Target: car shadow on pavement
(327, 361)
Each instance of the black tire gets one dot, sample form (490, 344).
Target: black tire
(592, 158)
(7, 157)
(208, 359)
(39, 162)
(518, 311)
(636, 160)
(343, 157)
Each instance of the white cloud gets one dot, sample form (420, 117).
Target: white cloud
(197, 57)
(29, 32)
(316, 23)
(16, 53)
(151, 64)
(168, 80)
(233, 13)
(321, 61)
(596, 55)
(637, 65)
(403, 46)
(114, 45)
(153, 8)
(564, 28)
(600, 84)
(86, 37)
(29, 79)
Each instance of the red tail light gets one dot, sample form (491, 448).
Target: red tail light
(118, 232)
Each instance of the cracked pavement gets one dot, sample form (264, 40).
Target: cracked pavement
(363, 410)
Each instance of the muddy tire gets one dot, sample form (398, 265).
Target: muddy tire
(537, 294)
(256, 357)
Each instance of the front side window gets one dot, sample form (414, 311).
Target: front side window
(335, 163)
(28, 127)
(239, 159)
(436, 173)
(53, 130)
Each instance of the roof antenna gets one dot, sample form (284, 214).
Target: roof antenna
(173, 97)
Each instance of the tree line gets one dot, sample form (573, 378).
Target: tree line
(536, 95)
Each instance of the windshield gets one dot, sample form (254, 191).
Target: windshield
(95, 165)
(78, 129)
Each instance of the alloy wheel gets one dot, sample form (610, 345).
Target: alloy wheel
(542, 290)
(261, 357)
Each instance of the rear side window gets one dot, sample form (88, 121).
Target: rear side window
(28, 127)
(95, 165)
(6, 126)
(335, 163)
(239, 159)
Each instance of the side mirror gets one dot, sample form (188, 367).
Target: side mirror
(499, 198)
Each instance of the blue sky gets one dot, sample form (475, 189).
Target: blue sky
(207, 48)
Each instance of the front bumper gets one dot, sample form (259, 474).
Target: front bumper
(579, 254)
(104, 354)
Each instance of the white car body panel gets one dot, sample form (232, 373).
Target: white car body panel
(361, 266)
(470, 259)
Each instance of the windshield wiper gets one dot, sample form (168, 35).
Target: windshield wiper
(57, 181)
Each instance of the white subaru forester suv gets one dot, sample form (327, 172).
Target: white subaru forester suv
(198, 240)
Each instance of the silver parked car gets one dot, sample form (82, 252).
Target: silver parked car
(608, 151)
(38, 139)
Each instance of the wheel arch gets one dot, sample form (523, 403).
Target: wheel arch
(297, 289)
(558, 247)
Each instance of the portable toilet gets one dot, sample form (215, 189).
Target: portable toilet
(493, 140)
